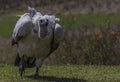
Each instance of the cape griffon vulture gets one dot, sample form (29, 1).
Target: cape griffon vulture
(36, 37)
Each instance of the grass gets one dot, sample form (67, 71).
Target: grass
(71, 21)
(9, 73)
(78, 20)
(64, 73)
(7, 24)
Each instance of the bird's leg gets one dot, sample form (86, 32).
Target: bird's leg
(22, 66)
(38, 64)
(37, 72)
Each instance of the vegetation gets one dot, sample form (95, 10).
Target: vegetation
(64, 73)
(78, 20)
(90, 45)
(62, 6)
(89, 39)
(71, 21)
(7, 24)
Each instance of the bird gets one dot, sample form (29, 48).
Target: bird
(36, 36)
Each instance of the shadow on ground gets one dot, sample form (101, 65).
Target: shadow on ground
(56, 79)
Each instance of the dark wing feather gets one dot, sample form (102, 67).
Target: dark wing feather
(56, 39)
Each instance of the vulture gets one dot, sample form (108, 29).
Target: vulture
(36, 36)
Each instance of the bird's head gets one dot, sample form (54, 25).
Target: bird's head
(46, 23)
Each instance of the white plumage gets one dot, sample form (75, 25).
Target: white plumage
(36, 36)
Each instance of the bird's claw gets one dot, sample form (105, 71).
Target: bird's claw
(36, 76)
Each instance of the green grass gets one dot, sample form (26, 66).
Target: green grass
(62, 73)
(7, 24)
(78, 20)
(71, 21)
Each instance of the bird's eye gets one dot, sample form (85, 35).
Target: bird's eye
(41, 21)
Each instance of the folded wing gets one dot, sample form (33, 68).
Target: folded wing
(22, 28)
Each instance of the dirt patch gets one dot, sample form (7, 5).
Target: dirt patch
(7, 52)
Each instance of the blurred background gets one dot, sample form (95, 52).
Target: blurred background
(91, 28)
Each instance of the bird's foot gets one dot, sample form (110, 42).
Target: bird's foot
(36, 76)
(21, 70)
